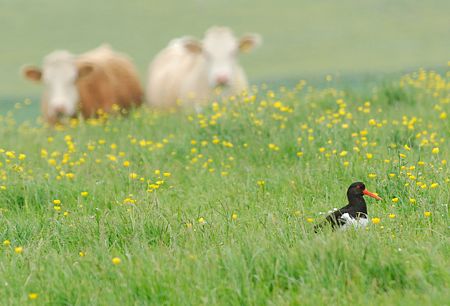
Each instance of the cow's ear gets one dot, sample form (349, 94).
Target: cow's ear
(32, 73)
(249, 42)
(84, 70)
(193, 45)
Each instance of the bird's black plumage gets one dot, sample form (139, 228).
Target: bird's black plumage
(356, 207)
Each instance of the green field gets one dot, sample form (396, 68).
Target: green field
(219, 207)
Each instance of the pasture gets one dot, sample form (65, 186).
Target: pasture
(219, 207)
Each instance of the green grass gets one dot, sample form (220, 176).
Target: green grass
(300, 37)
(269, 254)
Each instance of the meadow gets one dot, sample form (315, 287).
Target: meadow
(219, 207)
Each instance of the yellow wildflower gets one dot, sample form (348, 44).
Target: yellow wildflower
(10, 154)
(116, 260)
(343, 153)
(273, 147)
(32, 296)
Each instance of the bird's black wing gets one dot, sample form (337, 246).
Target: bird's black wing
(334, 219)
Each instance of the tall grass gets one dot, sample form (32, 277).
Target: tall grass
(219, 207)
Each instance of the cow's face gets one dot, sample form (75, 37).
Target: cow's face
(59, 75)
(220, 49)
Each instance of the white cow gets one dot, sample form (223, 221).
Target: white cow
(189, 70)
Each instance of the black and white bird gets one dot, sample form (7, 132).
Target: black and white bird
(354, 214)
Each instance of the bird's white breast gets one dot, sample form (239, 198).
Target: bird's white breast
(352, 222)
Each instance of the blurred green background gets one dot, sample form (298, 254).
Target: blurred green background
(301, 38)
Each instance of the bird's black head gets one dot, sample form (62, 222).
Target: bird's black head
(358, 190)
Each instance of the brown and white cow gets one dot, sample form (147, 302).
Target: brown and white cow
(189, 70)
(93, 81)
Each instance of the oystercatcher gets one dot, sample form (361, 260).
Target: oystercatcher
(355, 213)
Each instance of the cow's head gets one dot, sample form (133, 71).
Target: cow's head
(59, 75)
(220, 49)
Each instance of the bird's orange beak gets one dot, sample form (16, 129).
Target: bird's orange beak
(370, 194)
